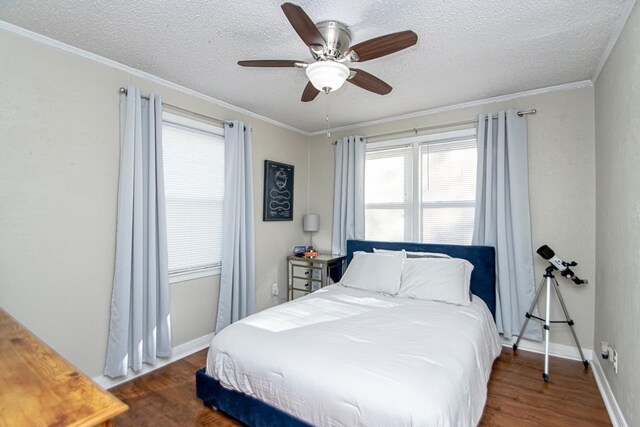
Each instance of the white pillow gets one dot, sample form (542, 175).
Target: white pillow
(389, 251)
(426, 255)
(409, 254)
(437, 279)
(374, 272)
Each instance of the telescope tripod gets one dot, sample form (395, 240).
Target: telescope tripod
(547, 282)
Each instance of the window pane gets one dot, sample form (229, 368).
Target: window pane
(452, 225)
(448, 189)
(449, 171)
(388, 176)
(385, 224)
(194, 192)
(389, 194)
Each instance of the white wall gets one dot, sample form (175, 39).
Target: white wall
(617, 311)
(59, 153)
(561, 181)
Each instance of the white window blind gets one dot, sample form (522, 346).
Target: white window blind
(448, 190)
(422, 189)
(194, 192)
(389, 194)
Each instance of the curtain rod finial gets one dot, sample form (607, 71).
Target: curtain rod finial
(523, 113)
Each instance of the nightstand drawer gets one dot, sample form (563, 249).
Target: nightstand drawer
(306, 275)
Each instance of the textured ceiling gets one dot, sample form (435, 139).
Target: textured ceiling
(467, 49)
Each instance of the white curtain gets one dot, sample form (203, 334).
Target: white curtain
(502, 217)
(238, 277)
(140, 324)
(348, 193)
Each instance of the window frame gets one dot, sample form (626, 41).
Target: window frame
(416, 142)
(210, 129)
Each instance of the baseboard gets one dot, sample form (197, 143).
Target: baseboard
(617, 419)
(179, 352)
(558, 350)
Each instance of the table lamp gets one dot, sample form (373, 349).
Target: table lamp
(311, 224)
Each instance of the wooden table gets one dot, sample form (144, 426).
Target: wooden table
(40, 388)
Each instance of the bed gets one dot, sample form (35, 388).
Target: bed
(345, 357)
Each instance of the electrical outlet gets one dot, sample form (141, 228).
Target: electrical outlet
(274, 289)
(615, 361)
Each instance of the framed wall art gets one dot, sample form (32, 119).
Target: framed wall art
(278, 191)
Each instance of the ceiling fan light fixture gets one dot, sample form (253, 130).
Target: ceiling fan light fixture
(327, 76)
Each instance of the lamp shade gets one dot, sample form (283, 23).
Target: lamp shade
(327, 76)
(310, 222)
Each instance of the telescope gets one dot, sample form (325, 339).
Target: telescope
(563, 266)
(547, 283)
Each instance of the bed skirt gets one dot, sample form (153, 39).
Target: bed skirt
(239, 406)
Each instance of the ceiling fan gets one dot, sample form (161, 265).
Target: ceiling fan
(330, 46)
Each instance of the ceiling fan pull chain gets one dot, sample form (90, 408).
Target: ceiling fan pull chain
(326, 115)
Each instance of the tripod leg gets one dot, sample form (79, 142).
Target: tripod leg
(528, 315)
(570, 323)
(545, 374)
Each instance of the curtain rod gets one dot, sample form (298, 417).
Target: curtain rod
(174, 107)
(443, 125)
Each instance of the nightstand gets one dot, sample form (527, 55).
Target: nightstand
(300, 274)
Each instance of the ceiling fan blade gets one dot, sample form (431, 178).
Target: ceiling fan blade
(309, 93)
(384, 45)
(369, 82)
(303, 25)
(270, 63)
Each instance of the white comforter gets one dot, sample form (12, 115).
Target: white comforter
(346, 357)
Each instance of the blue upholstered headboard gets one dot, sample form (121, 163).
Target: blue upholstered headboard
(483, 277)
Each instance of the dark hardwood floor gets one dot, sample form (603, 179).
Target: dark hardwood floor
(517, 395)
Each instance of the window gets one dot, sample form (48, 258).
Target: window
(194, 193)
(422, 188)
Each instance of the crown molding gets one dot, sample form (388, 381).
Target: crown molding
(617, 32)
(23, 32)
(470, 104)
